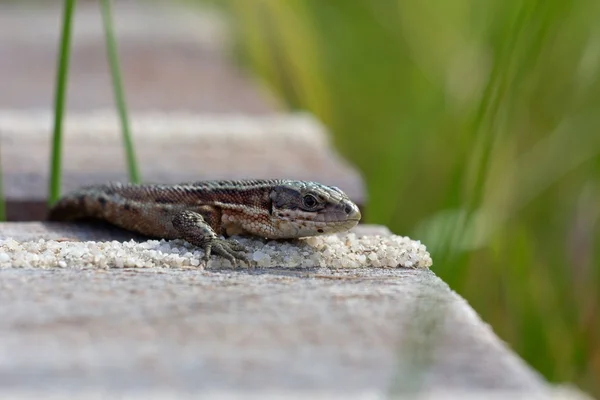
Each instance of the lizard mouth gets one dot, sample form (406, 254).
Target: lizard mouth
(344, 216)
(324, 221)
(341, 214)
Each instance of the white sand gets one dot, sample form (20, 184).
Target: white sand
(345, 251)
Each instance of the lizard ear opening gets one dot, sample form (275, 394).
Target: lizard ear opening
(272, 197)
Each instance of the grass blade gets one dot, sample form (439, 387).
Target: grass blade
(113, 58)
(59, 101)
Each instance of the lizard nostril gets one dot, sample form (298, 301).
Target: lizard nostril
(352, 211)
(348, 209)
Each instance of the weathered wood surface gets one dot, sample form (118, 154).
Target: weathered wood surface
(167, 333)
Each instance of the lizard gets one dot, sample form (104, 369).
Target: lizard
(206, 213)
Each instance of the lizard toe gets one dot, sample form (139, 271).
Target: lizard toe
(236, 246)
(225, 249)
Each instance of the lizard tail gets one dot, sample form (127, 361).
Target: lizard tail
(67, 209)
(83, 203)
(87, 202)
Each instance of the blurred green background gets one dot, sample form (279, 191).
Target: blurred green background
(476, 127)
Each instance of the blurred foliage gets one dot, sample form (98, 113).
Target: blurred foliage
(476, 127)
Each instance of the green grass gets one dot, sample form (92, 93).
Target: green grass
(60, 98)
(477, 128)
(119, 93)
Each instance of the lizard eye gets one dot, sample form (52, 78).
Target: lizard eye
(309, 201)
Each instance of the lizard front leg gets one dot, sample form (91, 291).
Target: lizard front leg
(192, 228)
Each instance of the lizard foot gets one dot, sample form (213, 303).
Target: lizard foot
(228, 249)
(195, 230)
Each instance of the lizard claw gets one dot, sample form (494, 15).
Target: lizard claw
(228, 249)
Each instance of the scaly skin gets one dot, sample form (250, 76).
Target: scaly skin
(200, 212)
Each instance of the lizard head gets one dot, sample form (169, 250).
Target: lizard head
(300, 208)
